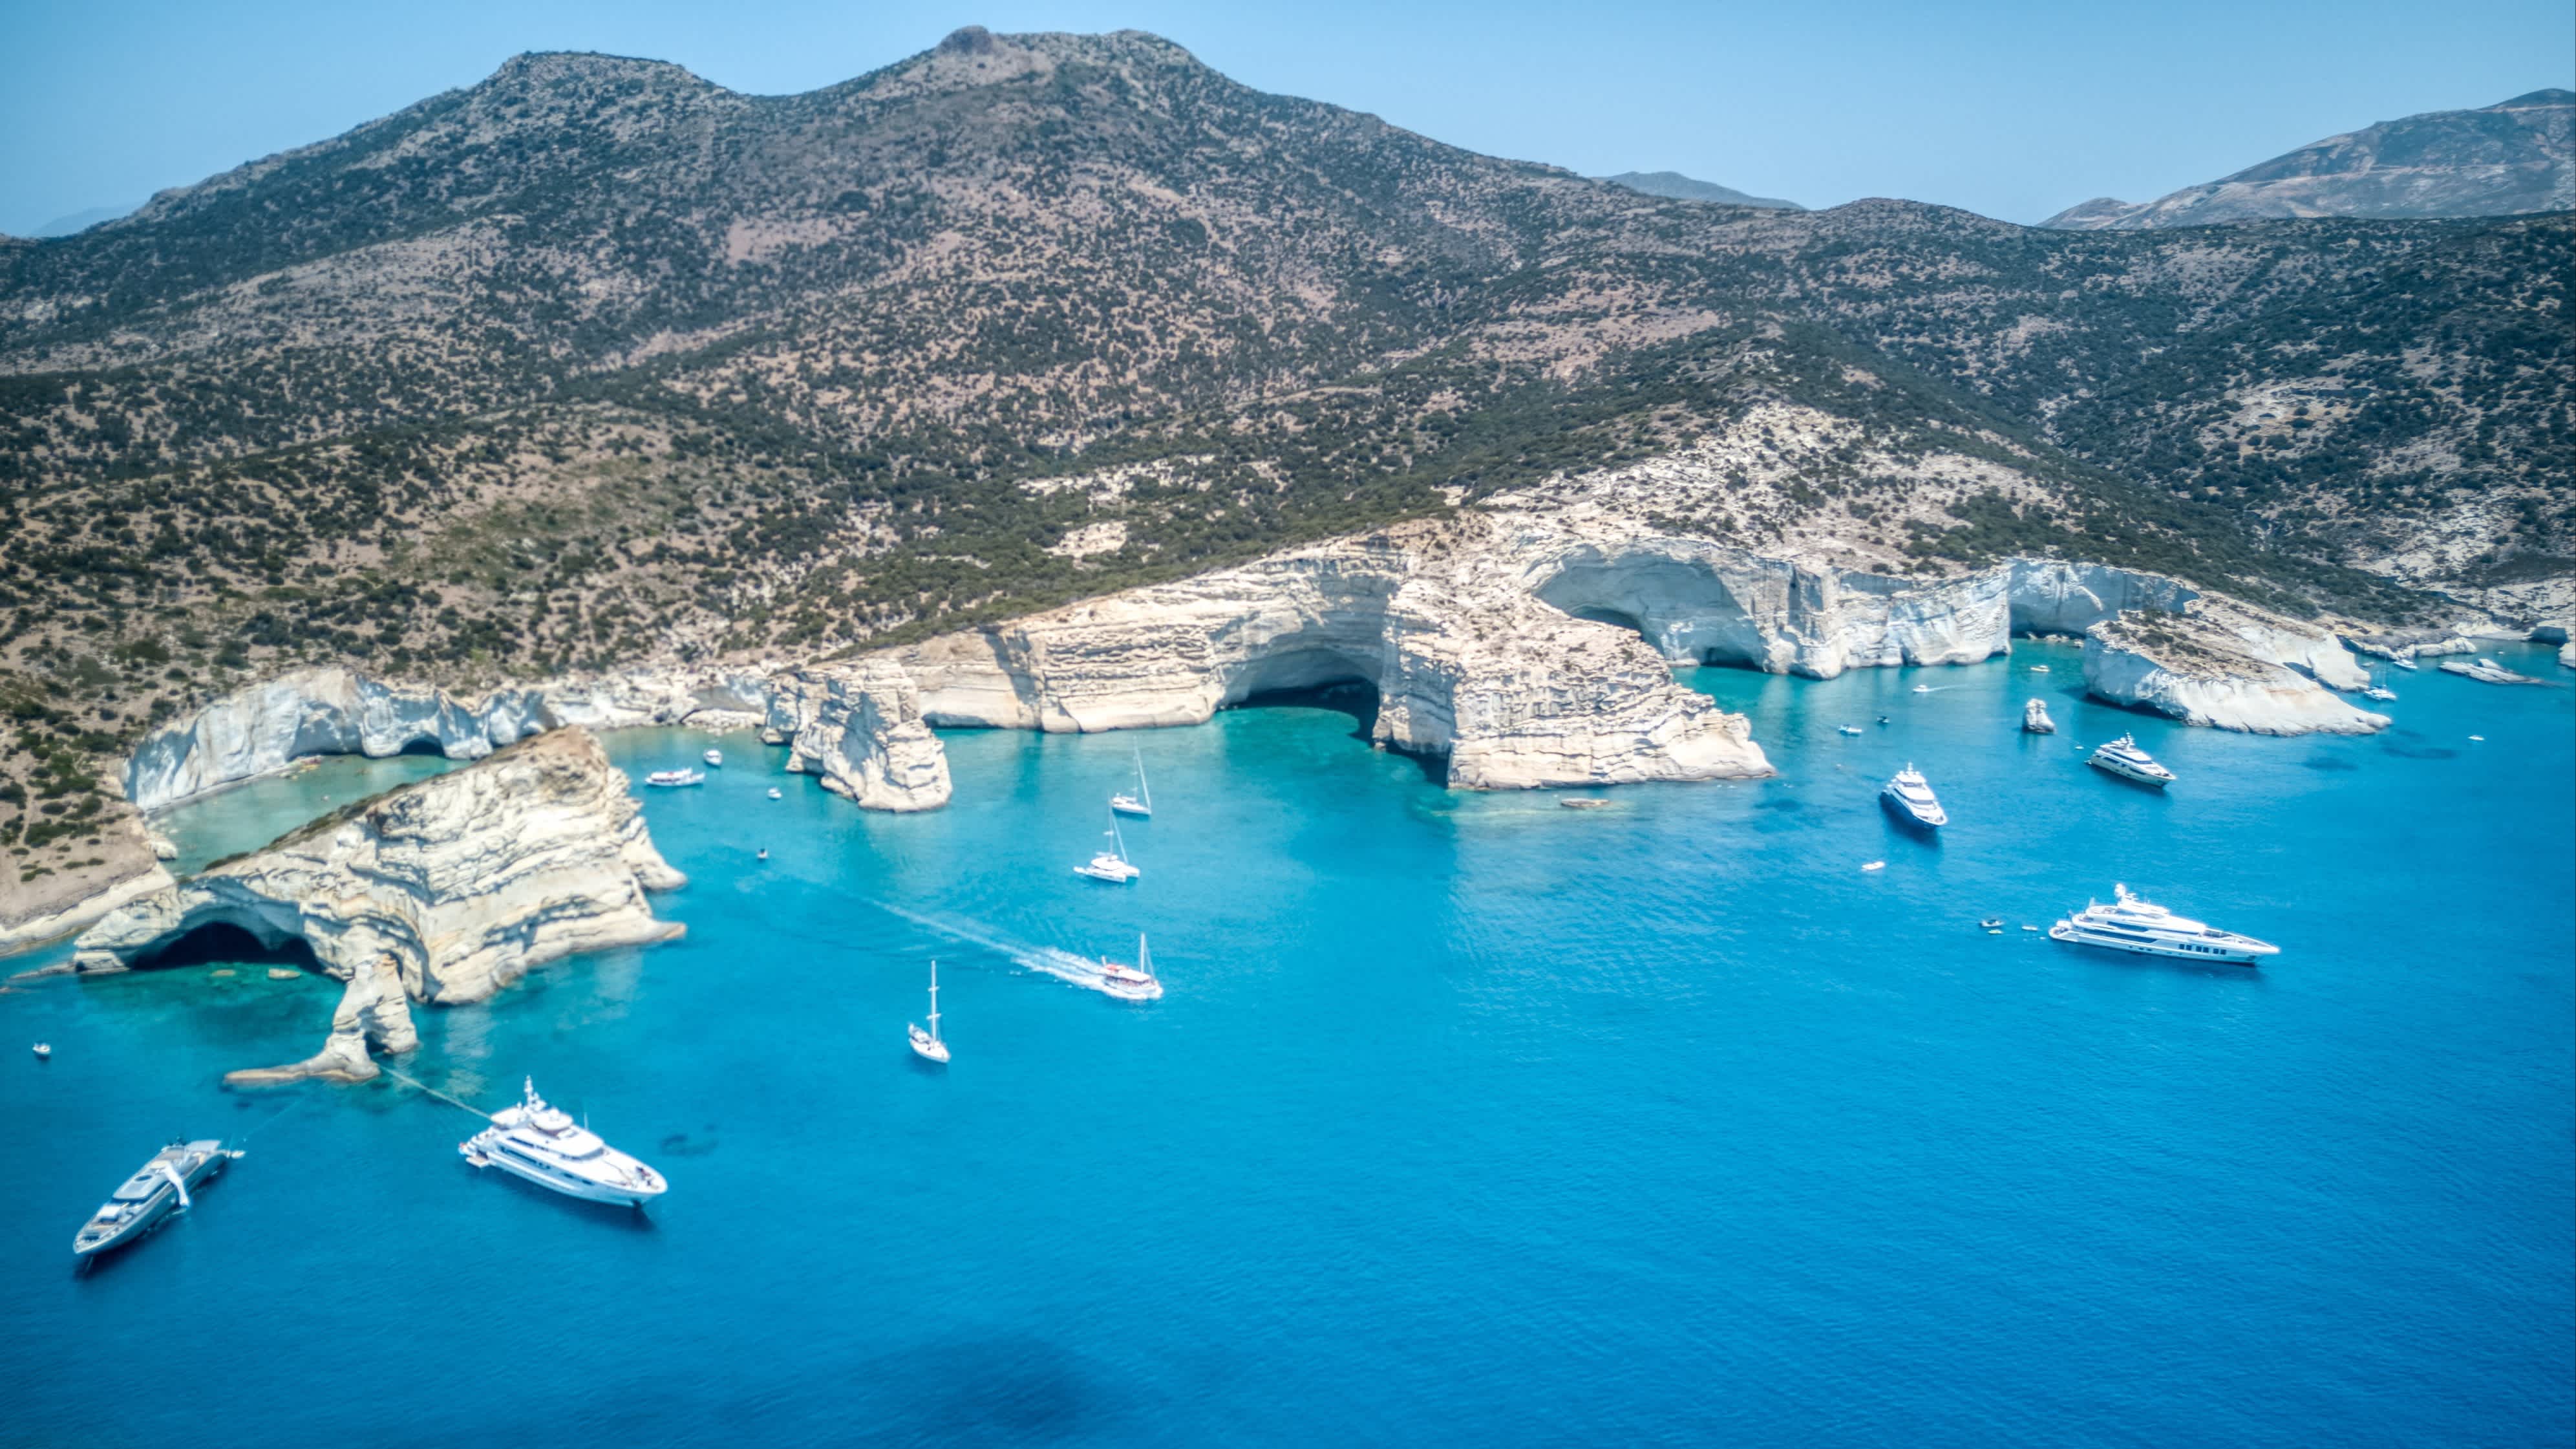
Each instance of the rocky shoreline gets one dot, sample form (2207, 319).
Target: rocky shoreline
(443, 891)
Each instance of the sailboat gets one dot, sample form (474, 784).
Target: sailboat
(1111, 865)
(1131, 983)
(926, 1044)
(1140, 804)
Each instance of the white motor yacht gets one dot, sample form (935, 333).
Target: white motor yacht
(1111, 865)
(157, 1189)
(1131, 983)
(714, 758)
(1847, 729)
(2035, 720)
(1908, 796)
(2405, 663)
(2131, 924)
(774, 793)
(1140, 804)
(926, 1044)
(543, 1144)
(2123, 758)
(674, 779)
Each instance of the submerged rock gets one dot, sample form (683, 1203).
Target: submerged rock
(442, 891)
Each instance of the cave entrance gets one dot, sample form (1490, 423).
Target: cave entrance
(424, 746)
(1615, 618)
(1309, 678)
(222, 942)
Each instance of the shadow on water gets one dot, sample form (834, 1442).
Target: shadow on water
(2329, 763)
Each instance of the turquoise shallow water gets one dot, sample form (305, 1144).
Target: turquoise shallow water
(1467, 1119)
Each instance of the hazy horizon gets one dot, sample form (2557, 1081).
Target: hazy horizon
(2013, 111)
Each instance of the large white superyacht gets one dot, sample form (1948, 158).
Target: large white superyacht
(2123, 758)
(543, 1144)
(2131, 924)
(1908, 796)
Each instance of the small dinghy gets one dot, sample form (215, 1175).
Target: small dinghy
(1847, 729)
(44, 1051)
(2039, 669)
(774, 794)
(1991, 923)
(156, 1190)
(1874, 865)
(714, 758)
(1922, 689)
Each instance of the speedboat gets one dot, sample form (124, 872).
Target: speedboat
(2035, 720)
(2039, 669)
(1922, 689)
(1908, 796)
(1991, 923)
(1131, 983)
(1140, 804)
(1847, 729)
(2131, 924)
(926, 1044)
(2405, 663)
(713, 757)
(543, 1144)
(674, 779)
(156, 1190)
(44, 1051)
(2123, 758)
(1111, 865)
(1871, 865)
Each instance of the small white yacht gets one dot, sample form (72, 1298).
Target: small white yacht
(1908, 796)
(926, 1044)
(1131, 983)
(1847, 729)
(2039, 669)
(543, 1144)
(774, 795)
(2123, 758)
(2406, 663)
(2131, 924)
(1140, 804)
(44, 1051)
(1922, 689)
(157, 1189)
(675, 779)
(1111, 865)
(714, 758)
(2035, 720)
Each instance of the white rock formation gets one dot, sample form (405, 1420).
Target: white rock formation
(2195, 668)
(333, 710)
(2567, 654)
(1468, 664)
(443, 891)
(898, 764)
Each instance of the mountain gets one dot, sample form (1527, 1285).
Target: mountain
(1684, 188)
(596, 362)
(2505, 160)
(80, 221)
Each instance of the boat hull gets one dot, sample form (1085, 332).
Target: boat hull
(1905, 813)
(569, 1184)
(1125, 806)
(929, 1049)
(2247, 954)
(2120, 769)
(156, 1210)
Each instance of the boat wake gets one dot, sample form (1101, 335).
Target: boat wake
(1061, 964)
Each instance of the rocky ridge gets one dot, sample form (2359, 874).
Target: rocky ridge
(444, 891)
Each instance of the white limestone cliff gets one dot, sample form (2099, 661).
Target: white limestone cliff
(898, 764)
(442, 891)
(2194, 667)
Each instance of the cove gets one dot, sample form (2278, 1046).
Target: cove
(1467, 1119)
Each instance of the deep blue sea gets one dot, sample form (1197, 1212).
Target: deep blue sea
(1466, 1120)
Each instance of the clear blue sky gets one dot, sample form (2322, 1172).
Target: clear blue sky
(2013, 109)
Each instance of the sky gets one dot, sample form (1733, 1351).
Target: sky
(2011, 109)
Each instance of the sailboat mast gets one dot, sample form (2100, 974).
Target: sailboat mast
(934, 1000)
(1118, 835)
(1144, 791)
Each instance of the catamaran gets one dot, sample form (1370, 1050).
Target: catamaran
(1140, 804)
(926, 1044)
(1111, 865)
(1131, 983)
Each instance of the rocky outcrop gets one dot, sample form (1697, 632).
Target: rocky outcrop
(860, 727)
(443, 891)
(2485, 671)
(2567, 654)
(2195, 668)
(1468, 664)
(333, 710)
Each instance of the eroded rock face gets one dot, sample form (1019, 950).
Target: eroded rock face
(1438, 618)
(443, 891)
(2196, 667)
(860, 727)
(339, 711)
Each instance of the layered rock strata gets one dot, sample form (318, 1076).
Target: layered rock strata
(332, 710)
(2196, 669)
(1469, 665)
(860, 727)
(443, 891)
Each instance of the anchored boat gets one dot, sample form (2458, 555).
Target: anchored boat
(156, 1190)
(2123, 758)
(1111, 865)
(926, 1044)
(1908, 796)
(2131, 924)
(543, 1144)
(1140, 804)
(675, 779)
(714, 757)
